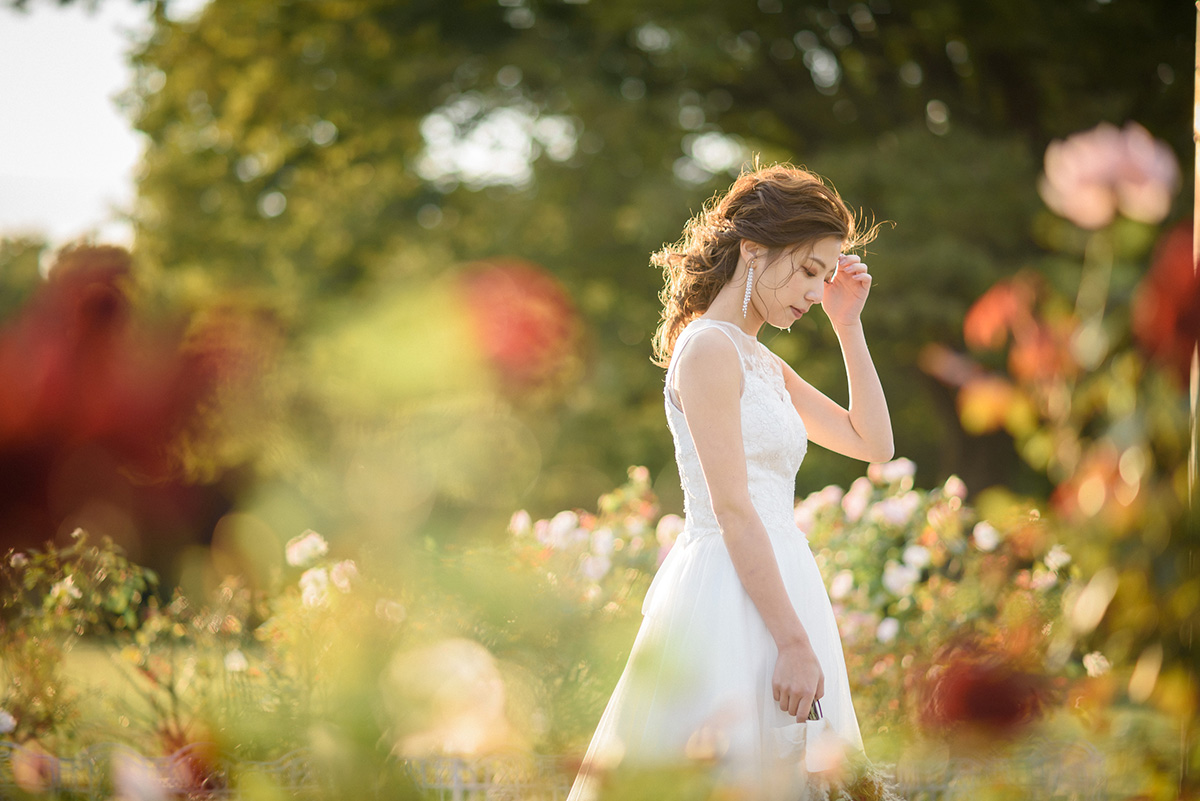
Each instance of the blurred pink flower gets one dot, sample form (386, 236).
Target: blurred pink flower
(602, 541)
(896, 511)
(520, 523)
(1092, 175)
(557, 531)
(668, 529)
(955, 488)
(595, 567)
(841, 585)
(805, 519)
(854, 503)
(899, 579)
(137, 779)
(891, 472)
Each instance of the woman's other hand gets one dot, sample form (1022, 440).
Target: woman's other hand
(847, 292)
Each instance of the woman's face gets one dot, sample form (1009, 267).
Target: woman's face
(795, 280)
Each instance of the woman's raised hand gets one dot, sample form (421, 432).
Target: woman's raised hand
(798, 680)
(847, 292)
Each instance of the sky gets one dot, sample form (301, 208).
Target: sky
(67, 152)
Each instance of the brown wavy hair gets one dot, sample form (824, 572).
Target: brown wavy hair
(780, 207)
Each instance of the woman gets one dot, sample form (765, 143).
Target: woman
(739, 639)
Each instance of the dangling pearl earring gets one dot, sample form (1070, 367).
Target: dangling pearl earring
(749, 285)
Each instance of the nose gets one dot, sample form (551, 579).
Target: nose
(815, 294)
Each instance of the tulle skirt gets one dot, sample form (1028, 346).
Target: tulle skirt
(697, 686)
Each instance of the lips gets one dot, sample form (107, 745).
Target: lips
(798, 312)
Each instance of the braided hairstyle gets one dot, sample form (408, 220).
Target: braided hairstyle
(780, 207)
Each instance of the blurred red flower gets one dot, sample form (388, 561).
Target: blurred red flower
(1166, 306)
(981, 688)
(94, 399)
(524, 323)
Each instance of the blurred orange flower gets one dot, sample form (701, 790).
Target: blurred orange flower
(1005, 305)
(1042, 352)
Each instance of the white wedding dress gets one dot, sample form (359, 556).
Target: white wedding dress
(698, 681)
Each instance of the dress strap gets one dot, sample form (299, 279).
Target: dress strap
(700, 324)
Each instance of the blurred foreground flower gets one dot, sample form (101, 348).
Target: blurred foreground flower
(1092, 175)
(97, 398)
(450, 698)
(982, 689)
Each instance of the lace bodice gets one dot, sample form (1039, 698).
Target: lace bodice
(773, 433)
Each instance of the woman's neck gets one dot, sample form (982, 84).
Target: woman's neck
(727, 307)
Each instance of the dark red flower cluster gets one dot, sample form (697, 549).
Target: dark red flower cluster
(524, 323)
(92, 398)
(1166, 307)
(983, 689)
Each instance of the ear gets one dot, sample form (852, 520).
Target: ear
(751, 249)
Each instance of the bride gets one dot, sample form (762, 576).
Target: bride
(738, 664)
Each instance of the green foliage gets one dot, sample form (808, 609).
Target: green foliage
(311, 156)
(48, 600)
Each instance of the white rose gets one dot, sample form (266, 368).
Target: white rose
(602, 541)
(64, 590)
(986, 536)
(314, 587)
(899, 579)
(1057, 558)
(236, 662)
(343, 573)
(389, 610)
(1096, 664)
(303, 549)
(561, 526)
(916, 556)
(595, 567)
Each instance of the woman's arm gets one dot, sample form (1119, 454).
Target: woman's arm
(709, 378)
(864, 431)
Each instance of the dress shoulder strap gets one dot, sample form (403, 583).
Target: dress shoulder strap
(689, 330)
